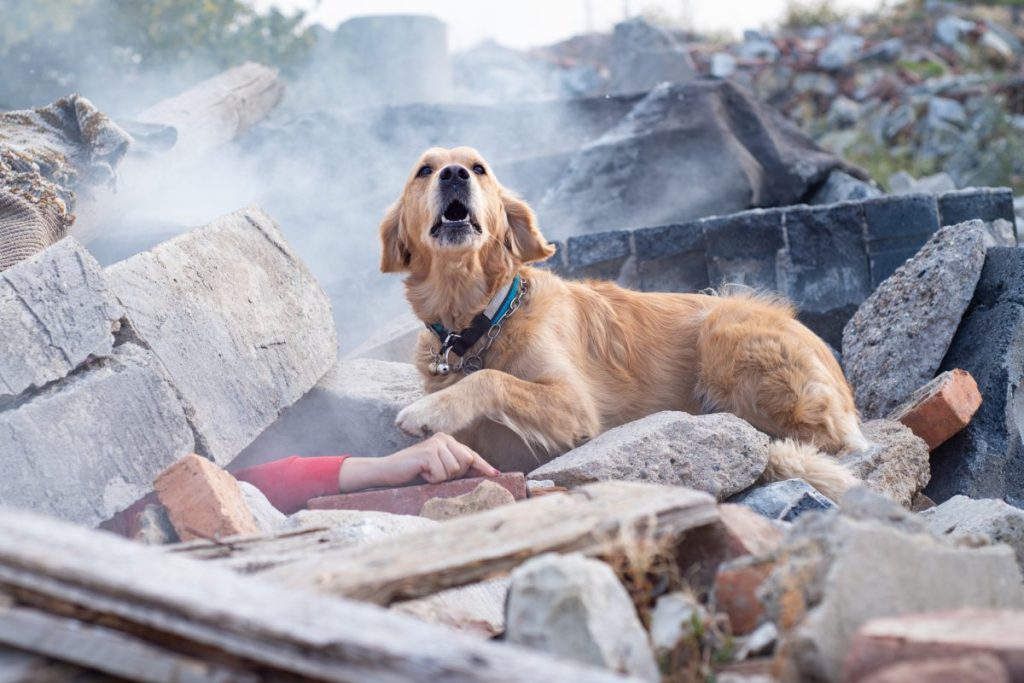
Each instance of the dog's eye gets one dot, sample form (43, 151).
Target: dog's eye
(425, 171)
(479, 170)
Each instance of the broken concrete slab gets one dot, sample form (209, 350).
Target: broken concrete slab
(238, 322)
(836, 573)
(477, 609)
(986, 459)
(352, 409)
(783, 500)
(990, 518)
(56, 314)
(575, 608)
(719, 453)
(897, 339)
(204, 501)
(941, 408)
(89, 446)
(896, 464)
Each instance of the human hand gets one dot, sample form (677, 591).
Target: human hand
(436, 459)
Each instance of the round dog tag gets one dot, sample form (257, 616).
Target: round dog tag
(472, 364)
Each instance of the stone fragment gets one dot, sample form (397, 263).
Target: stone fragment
(719, 453)
(842, 51)
(896, 464)
(993, 519)
(783, 500)
(203, 501)
(410, 500)
(478, 609)
(739, 531)
(677, 622)
(737, 592)
(896, 340)
(962, 669)
(994, 639)
(941, 408)
(575, 608)
(834, 574)
(56, 313)
(268, 518)
(356, 527)
(238, 322)
(155, 527)
(986, 459)
(760, 642)
(485, 496)
(843, 187)
(352, 410)
(644, 55)
(89, 446)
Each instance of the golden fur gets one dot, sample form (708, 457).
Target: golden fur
(582, 357)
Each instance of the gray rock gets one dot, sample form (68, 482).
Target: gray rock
(676, 620)
(719, 453)
(356, 527)
(89, 446)
(849, 571)
(575, 608)
(155, 526)
(842, 51)
(643, 55)
(723, 65)
(896, 340)
(760, 642)
(986, 459)
(995, 48)
(993, 519)
(757, 47)
(945, 110)
(950, 28)
(843, 112)
(862, 503)
(784, 500)
(478, 608)
(238, 322)
(351, 410)
(55, 314)
(897, 463)
(268, 518)
(843, 187)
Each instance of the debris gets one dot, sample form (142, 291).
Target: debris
(986, 459)
(897, 339)
(204, 501)
(719, 453)
(992, 639)
(477, 609)
(783, 500)
(896, 464)
(644, 55)
(268, 518)
(485, 496)
(737, 592)
(575, 608)
(155, 527)
(941, 408)
(410, 500)
(739, 531)
(677, 623)
(992, 519)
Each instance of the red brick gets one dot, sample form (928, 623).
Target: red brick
(736, 594)
(941, 408)
(739, 531)
(969, 669)
(203, 501)
(938, 635)
(409, 500)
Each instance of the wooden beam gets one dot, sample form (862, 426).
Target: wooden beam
(231, 622)
(606, 519)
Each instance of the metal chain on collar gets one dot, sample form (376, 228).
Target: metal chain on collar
(470, 363)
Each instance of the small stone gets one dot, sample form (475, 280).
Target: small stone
(737, 592)
(676, 623)
(950, 28)
(941, 408)
(719, 453)
(783, 500)
(896, 464)
(990, 518)
(486, 496)
(841, 52)
(155, 527)
(477, 609)
(723, 65)
(575, 608)
(203, 501)
(760, 642)
(268, 518)
(739, 531)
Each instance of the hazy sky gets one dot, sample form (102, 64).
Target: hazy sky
(527, 23)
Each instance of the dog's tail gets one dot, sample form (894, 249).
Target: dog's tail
(790, 459)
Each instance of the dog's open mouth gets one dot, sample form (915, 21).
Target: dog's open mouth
(455, 221)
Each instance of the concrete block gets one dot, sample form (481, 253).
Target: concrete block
(56, 313)
(589, 250)
(670, 258)
(89, 446)
(743, 248)
(237, 320)
(895, 227)
(987, 204)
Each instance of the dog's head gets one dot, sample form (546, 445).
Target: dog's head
(452, 205)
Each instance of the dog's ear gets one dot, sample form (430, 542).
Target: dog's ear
(395, 255)
(524, 239)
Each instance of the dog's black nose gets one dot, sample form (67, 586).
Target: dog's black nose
(454, 175)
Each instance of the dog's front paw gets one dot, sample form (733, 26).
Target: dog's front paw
(427, 416)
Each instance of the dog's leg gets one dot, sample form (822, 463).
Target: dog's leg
(551, 415)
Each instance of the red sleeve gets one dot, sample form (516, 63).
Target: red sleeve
(289, 483)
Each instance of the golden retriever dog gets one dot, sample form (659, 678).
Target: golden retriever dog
(570, 360)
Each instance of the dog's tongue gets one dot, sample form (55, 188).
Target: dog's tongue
(456, 211)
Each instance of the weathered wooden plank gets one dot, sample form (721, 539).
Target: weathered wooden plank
(602, 519)
(237, 622)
